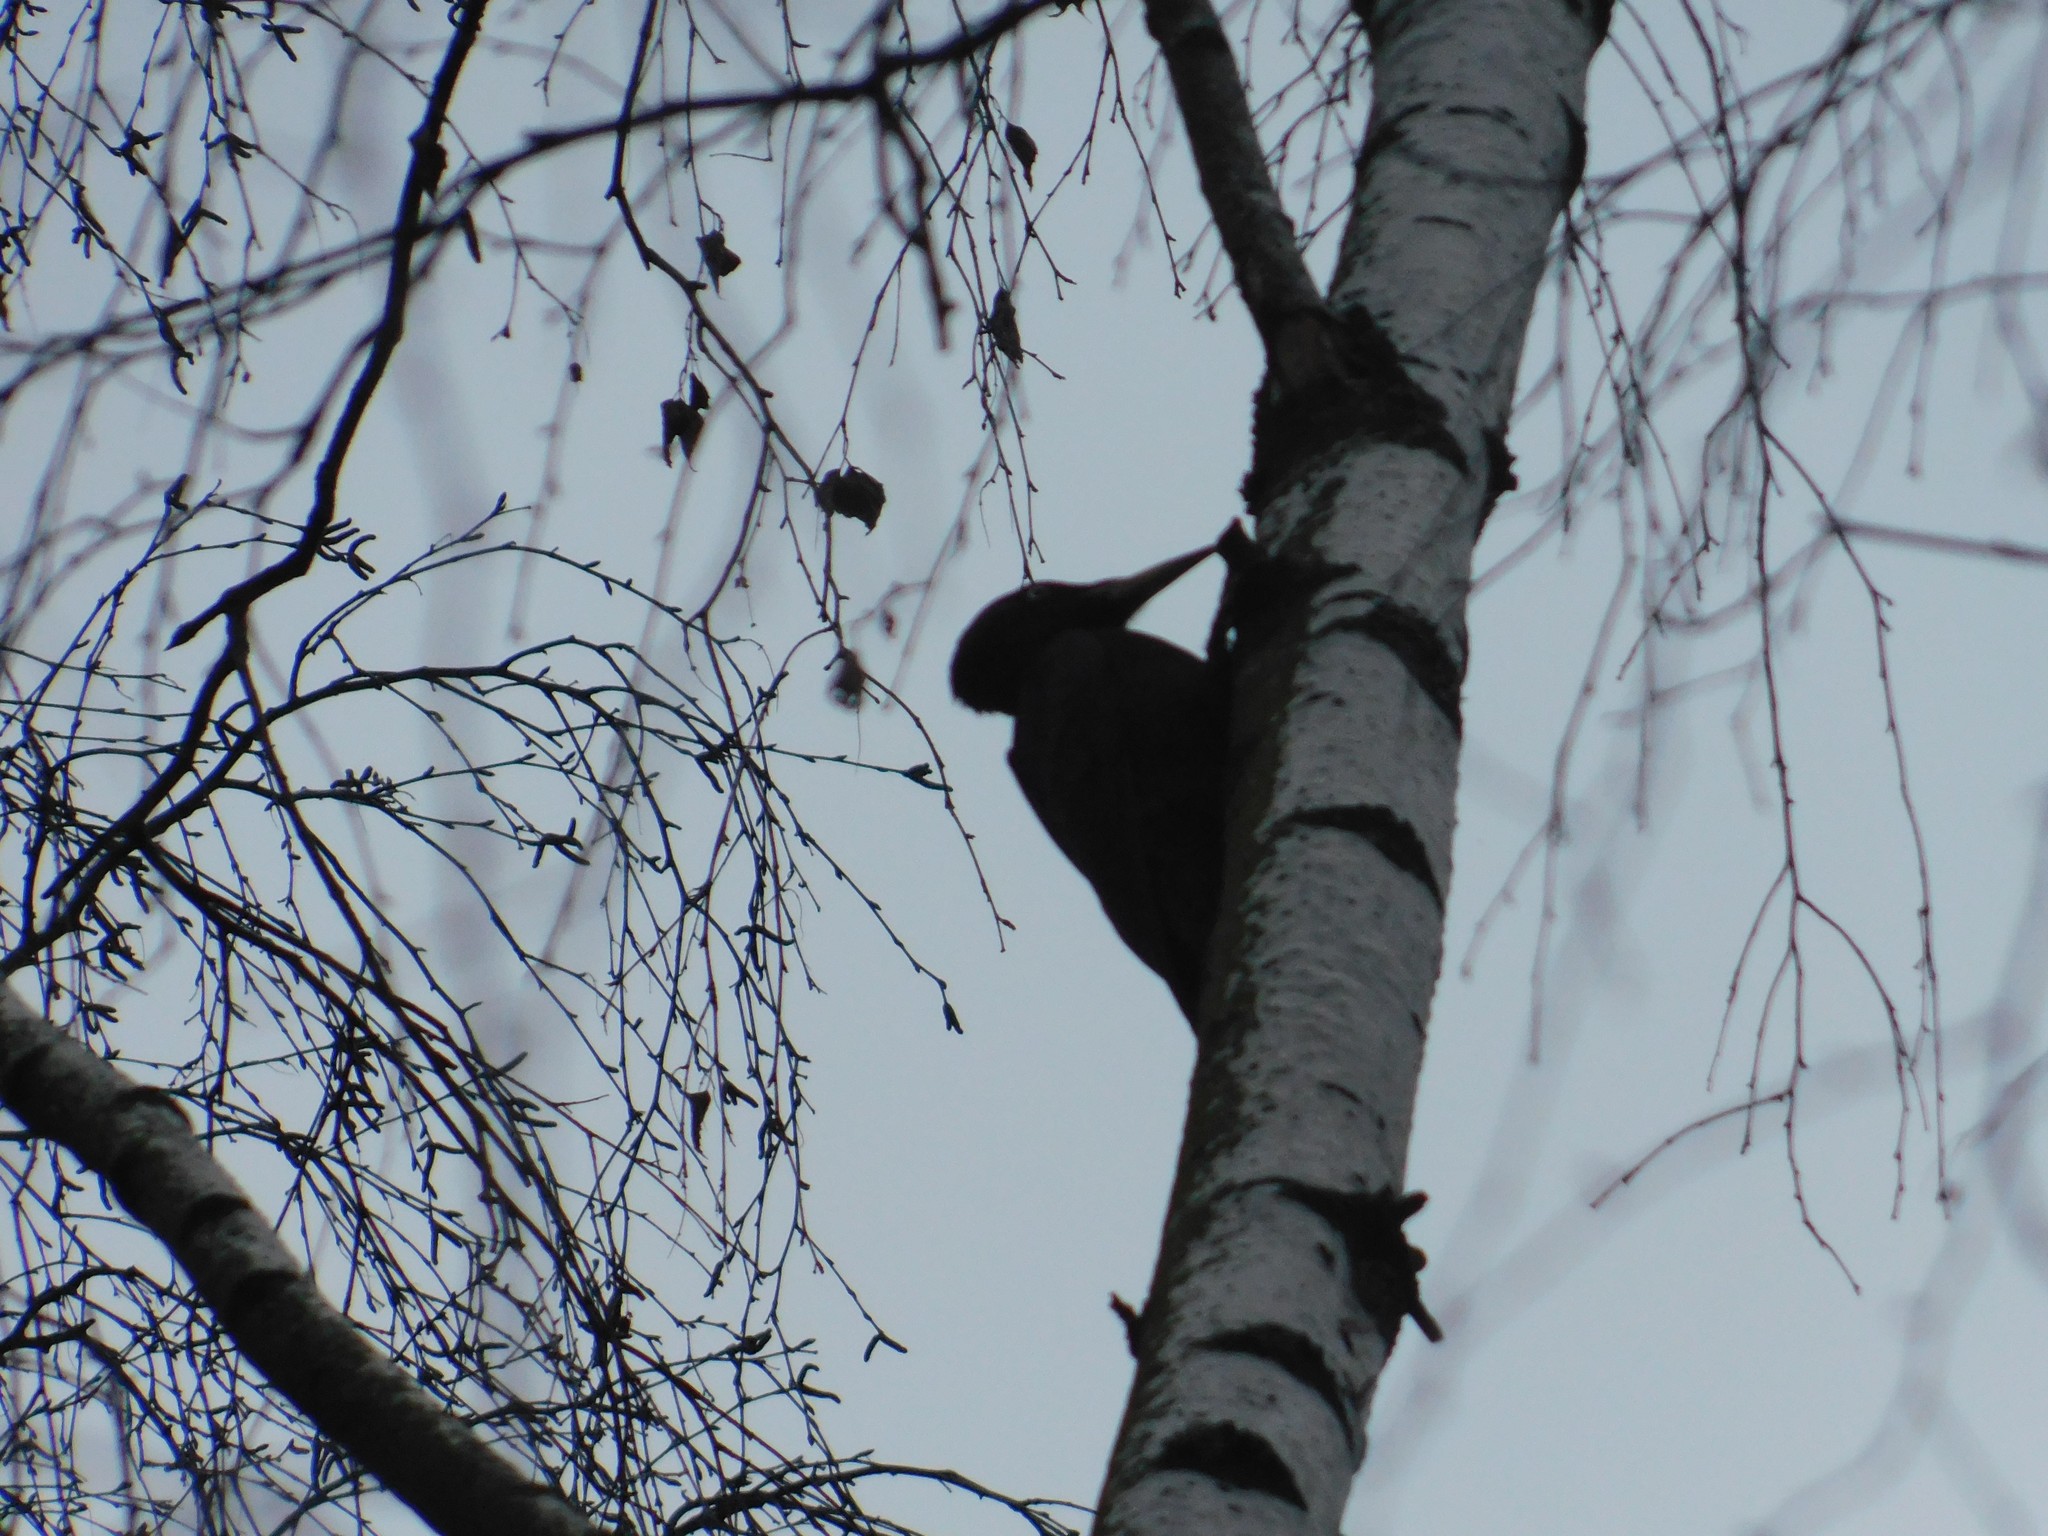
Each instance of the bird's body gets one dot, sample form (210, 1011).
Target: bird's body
(1119, 748)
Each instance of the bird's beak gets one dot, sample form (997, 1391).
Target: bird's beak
(1130, 593)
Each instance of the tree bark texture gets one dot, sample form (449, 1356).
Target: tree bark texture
(1378, 448)
(136, 1138)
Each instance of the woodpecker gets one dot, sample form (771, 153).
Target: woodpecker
(1119, 748)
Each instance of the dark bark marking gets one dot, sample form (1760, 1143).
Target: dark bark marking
(207, 1210)
(1263, 591)
(1499, 115)
(257, 1290)
(1396, 840)
(1595, 14)
(1259, 594)
(21, 1074)
(1384, 1264)
(1575, 149)
(1420, 648)
(1194, 31)
(1133, 1319)
(1295, 1353)
(1233, 1456)
(1500, 471)
(1389, 130)
(1334, 378)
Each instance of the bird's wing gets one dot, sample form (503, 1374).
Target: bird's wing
(1119, 749)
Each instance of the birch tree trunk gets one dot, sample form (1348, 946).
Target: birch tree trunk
(1379, 446)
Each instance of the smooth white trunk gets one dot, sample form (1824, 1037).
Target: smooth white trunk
(1263, 1339)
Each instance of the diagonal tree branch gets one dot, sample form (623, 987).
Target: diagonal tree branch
(137, 1139)
(1256, 231)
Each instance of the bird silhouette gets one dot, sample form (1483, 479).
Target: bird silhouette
(1119, 748)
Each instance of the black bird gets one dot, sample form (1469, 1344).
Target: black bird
(1119, 748)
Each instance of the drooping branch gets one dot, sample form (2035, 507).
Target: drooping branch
(888, 66)
(422, 177)
(137, 1139)
(423, 174)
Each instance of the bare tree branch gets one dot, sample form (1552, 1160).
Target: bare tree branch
(137, 1139)
(1224, 142)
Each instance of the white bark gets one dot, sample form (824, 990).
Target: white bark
(1269, 1323)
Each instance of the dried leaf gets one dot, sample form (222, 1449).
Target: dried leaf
(1024, 147)
(853, 492)
(1002, 327)
(719, 258)
(681, 422)
(849, 685)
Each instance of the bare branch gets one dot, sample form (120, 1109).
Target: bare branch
(137, 1139)
(1231, 163)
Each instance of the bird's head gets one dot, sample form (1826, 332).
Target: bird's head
(998, 650)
